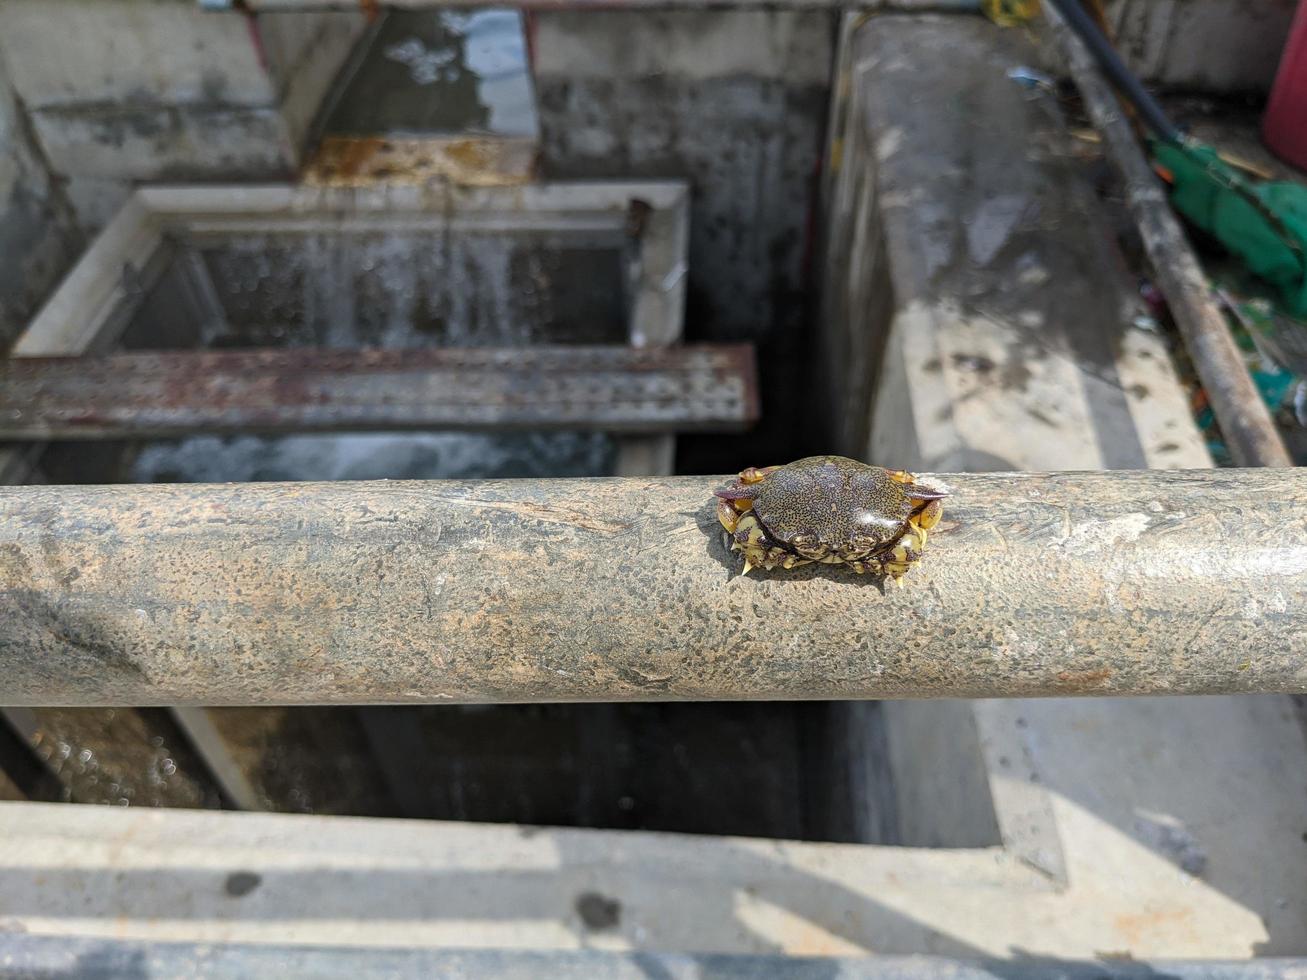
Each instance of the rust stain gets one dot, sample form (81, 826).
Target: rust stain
(1140, 928)
(479, 161)
(549, 514)
(1084, 680)
(470, 153)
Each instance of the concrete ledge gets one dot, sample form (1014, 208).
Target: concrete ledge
(45, 956)
(200, 877)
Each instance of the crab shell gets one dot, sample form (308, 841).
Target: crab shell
(829, 509)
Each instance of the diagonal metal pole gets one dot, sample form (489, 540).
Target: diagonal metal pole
(1245, 421)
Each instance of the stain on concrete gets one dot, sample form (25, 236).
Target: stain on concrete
(241, 883)
(1169, 837)
(597, 912)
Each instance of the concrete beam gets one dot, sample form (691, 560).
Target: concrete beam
(598, 590)
(141, 874)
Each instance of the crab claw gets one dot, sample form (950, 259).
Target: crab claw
(736, 491)
(928, 517)
(916, 491)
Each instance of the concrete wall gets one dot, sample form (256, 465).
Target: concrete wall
(735, 102)
(38, 237)
(121, 91)
(1204, 45)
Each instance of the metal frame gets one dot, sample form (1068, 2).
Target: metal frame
(95, 302)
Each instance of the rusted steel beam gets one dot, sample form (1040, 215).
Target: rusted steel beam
(1246, 423)
(616, 389)
(609, 589)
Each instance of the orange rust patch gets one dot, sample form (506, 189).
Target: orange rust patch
(1084, 680)
(479, 161)
(1142, 928)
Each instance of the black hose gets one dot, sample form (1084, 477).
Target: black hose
(1122, 77)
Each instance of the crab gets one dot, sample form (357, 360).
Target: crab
(832, 510)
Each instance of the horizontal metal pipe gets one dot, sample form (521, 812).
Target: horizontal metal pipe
(622, 589)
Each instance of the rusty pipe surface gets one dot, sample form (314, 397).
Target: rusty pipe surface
(622, 589)
(1245, 421)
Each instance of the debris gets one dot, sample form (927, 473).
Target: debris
(1029, 77)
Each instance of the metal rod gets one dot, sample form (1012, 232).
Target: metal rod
(1245, 421)
(609, 589)
(179, 393)
(1109, 60)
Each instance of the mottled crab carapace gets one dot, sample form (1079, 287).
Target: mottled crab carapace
(829, 509)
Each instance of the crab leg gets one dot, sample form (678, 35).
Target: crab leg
(926, 518)
(729, 509)
(905, 553)
(728, 515)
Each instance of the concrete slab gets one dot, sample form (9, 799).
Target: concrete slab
(1214, 786)
(1009, 343)
(191, 876)
(1014, 325)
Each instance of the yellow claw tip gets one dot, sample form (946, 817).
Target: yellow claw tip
(747, 567)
